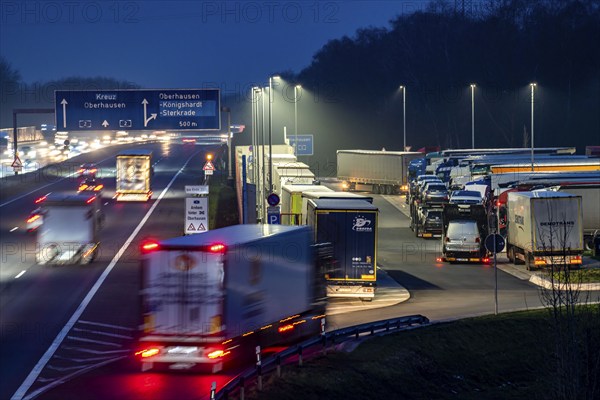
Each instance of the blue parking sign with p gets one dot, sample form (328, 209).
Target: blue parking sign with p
(273, 215)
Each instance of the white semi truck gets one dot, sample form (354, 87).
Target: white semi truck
(69, 233)
(134, 175)
(385, 171)
(544, 228)
(211, 299)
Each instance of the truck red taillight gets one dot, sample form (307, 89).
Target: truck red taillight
(40, 199)
(217, 248)
(477, 240)
(33, 218)
(148, 246)
(149, 352)
(285, 328)
(90, 200)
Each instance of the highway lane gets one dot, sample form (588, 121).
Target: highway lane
(35, 306)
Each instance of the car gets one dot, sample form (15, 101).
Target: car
(35, 219)
(466, 197)
(430, 222)
(90, 185)
(435, 193)
(462, 240)
(88, 169)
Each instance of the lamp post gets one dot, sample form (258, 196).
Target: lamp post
(473, 115)
(271, 79)
(255, 141)
(403, 88)
(262, 188)
(228, 111)
(533, 86)
(296, 118)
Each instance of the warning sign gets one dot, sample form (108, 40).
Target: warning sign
(196, 215)
(17, 163)
(208, 166)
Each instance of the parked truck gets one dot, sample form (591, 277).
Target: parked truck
(208, 300)
(464, 229)
(69, 232)
(134, 175)
(331, 194)
(385, 171)
(351, 227)
(544, 228)
(291, 201)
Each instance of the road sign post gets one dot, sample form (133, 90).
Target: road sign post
(495, 243)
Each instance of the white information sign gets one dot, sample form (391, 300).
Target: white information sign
(196, 215)
(196, 189)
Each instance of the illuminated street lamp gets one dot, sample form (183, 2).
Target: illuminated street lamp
(533, 86)
(296, 118)
(403, 88)
(473, 115)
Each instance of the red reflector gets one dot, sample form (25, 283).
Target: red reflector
(149, 246)
(285, 328)
(217, 248)
(477, 240)
(486, 260)
(31, 219)
(90, 200)
(439, 259)
(148, 352)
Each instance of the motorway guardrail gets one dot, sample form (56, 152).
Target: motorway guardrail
(236, 387)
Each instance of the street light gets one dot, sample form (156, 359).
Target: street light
(262, 194)
(296, 118)
(271, 79)
(228, 111)
(403, 88)
(473, 115)
(533, 86)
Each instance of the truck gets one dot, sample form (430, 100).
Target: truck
(291, 173)
(134, 175)
(544, 228)
(208, 300)
(351, 227)
(291, 201)
(331, 194)
(464, 229)
(69, 232)
(385, 171)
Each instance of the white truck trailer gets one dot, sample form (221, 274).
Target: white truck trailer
(211, 299)
(134, 175)
(544, 228)
(69, 233)
(385, 171)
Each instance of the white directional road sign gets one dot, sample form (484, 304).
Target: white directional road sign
(139, 109)
(196, 189)
(196, 215)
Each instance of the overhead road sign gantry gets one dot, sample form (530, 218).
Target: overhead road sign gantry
(143, 109)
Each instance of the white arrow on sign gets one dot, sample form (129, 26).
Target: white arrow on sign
(152, 116)
(64, 104)
(105, 123)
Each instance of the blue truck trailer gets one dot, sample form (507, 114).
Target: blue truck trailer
(351, 227)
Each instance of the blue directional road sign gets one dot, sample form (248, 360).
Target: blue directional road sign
(302, 143)
(156, 109)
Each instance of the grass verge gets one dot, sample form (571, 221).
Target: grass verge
(495, 357)
(222, 205)
(588, 275)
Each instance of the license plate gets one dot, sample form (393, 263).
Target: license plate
(427, 235)
(462, 259)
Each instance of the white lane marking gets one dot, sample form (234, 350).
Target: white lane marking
(106, 203)
(35, 372)
(81, 321)
(49, 184)
(20, 274)
(100, 333)
(85, 340)
(14, 229)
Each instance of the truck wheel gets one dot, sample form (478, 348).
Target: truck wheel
(588, 243)
(388, 189)
(529, 264)
(510, 253)
(375, 189)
